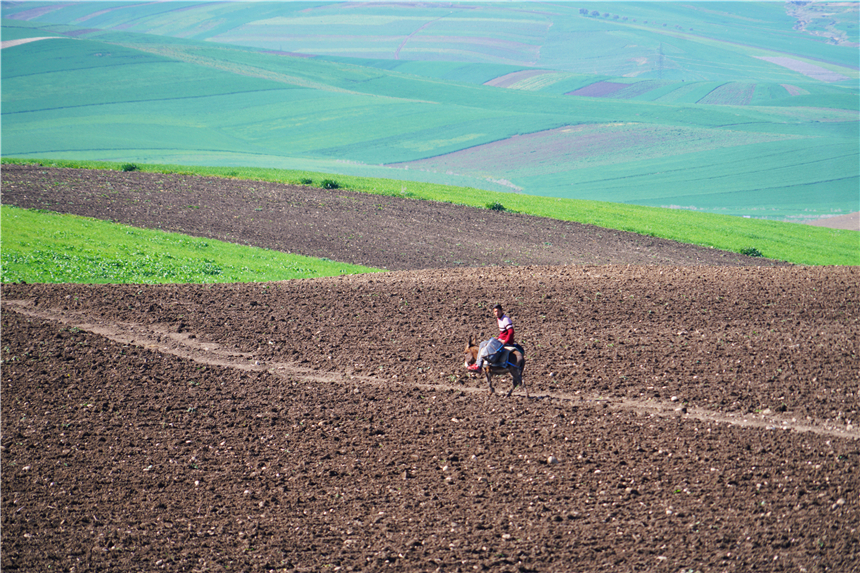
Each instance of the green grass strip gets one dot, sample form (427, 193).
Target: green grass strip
(46, 247)
(792, 242)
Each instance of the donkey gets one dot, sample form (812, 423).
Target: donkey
(513, 365)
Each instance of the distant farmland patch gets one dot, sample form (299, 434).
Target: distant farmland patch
(794, 90)
(688, 93)
(599, 89)
(637, 89)
(34, 13)
(730, 94)
(818, 114)
(10, 43)
(407, 32)
(478, 47)
(573, 147)
(510, 80)
(805, 68)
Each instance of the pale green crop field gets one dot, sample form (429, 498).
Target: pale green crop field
(210, 85)
(231, 110)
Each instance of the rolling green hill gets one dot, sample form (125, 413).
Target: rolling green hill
(700, 113)
(690, 41)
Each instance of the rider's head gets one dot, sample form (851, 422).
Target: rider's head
(497, 310)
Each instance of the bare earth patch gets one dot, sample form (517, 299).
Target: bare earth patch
(811, 70)
(512, 78)
(10, 43)
(683, 416)
(850, 222)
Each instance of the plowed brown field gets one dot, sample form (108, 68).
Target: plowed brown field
(683, 416)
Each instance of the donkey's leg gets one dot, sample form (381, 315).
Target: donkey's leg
(518, 381)
(490, 381)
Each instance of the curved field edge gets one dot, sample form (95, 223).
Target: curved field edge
(791, 242)
(46, 247)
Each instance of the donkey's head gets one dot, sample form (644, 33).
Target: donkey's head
(470, 354)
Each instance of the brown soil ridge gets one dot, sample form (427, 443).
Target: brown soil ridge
(380, 231)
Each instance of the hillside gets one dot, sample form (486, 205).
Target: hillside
(675, 40)
(660, 104)
(372, 230)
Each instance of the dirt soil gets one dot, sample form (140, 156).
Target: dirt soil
(849, 222)
(683, 416)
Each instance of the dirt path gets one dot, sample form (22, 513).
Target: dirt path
(189, 345)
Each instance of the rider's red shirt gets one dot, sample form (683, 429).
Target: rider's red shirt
(506, 330)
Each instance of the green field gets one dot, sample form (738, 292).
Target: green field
(46, 247)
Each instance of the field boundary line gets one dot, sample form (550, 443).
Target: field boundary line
(186, 345)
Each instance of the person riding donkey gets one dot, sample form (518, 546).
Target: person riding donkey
(506, 337)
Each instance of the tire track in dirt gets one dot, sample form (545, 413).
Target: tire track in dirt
(188, 346)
